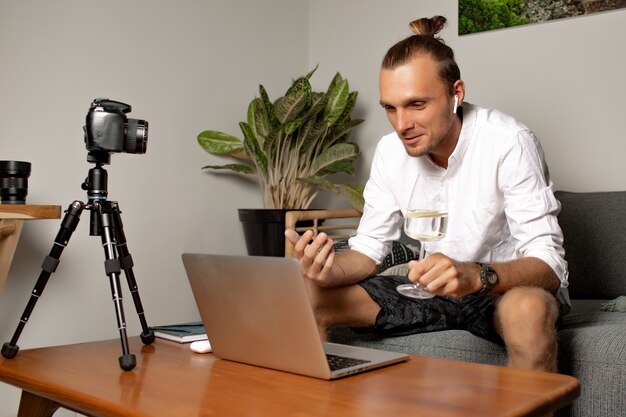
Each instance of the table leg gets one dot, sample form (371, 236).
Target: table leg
(32, 405)
(10, 231)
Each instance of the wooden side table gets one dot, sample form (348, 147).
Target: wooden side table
(12, 217)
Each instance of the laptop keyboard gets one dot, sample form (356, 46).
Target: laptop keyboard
(341, 362)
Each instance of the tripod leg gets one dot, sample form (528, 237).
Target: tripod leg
(50, 263)
(112, 268)
(126, 263)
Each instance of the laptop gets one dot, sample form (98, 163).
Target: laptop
(256, 310)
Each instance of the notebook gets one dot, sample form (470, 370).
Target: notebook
(256, 310)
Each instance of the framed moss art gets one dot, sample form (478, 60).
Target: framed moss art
(484, 15)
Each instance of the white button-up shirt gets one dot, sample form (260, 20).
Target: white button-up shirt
(496, 188)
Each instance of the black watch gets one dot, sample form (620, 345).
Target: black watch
(488, 277)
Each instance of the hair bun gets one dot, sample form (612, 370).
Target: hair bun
(428, 27)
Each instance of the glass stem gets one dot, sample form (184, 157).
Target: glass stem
(421, 256)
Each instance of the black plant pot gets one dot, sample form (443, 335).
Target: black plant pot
(264, 231)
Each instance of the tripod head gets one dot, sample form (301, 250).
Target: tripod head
(96, 186)
(96, 183)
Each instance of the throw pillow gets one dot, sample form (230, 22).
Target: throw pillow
(400, 254)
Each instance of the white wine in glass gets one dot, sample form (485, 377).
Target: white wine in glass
(425, 226)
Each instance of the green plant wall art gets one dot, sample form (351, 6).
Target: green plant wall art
(484, 15)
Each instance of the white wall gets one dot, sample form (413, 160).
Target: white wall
(190, 65)
(184, 66)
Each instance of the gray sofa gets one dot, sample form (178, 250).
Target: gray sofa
(592, 342)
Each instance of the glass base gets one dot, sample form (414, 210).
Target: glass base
(414, 291)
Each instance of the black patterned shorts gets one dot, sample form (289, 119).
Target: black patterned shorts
(400, 315)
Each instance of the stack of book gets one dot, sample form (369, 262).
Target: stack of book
(182, 332)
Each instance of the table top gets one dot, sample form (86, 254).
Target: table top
(170, 380)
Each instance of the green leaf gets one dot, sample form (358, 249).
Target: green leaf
(350, 103)
(316, 107)
(354, 192)
(268, 108)
(254, 149)
(310, 135)
(310, 74)
(345, 166)
(218, 143)
(287, 108)
(337, 79)
(311, 113)
(258, 119)
(300, 85)
(245, 169)
(333, 154)
(271, 144)
(340, 132)
(321, 182)
(337, 98)
(251, 117)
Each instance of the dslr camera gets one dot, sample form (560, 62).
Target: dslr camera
(107, 129)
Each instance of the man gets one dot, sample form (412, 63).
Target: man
(501, 263)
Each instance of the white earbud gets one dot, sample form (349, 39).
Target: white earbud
(456, 104)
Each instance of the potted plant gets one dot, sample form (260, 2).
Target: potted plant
(294, 145)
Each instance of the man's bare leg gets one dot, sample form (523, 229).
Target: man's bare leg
(348, 305)
(526, 319)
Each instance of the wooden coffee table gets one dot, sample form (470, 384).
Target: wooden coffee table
(171, 381)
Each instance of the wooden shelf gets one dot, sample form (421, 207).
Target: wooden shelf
(29, 211)
(12, 217)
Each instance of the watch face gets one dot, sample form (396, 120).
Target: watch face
(492, 278)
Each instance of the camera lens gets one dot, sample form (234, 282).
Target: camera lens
(136, 136)
(14, 181)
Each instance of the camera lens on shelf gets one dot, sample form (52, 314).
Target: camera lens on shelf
(14, 181)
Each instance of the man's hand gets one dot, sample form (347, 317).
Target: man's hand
(442, 275)
(316, 257)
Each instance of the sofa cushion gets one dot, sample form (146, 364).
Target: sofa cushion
(592, 347)
(594, 227)
(450, 344)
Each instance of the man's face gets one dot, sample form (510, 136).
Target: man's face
(419, 107)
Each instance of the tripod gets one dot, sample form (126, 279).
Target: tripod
(105, 221)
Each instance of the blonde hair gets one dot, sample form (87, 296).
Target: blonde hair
(428, 27)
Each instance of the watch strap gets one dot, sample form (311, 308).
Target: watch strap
(488, 277)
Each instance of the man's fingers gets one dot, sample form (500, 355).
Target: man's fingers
(318, 244)
(301, 244)
(292, 236)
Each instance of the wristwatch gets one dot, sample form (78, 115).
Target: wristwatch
(488, 277)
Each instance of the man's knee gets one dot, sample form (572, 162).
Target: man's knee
(526, 319)
(527, 306)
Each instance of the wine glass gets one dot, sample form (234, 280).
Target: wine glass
(425, 225)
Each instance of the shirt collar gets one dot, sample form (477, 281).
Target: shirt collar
(467, 130)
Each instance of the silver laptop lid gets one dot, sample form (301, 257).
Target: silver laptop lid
(256, 310)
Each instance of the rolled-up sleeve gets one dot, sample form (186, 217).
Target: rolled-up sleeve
(381, 220)
(530, 205)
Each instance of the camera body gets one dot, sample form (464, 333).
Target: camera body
(107, 129)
